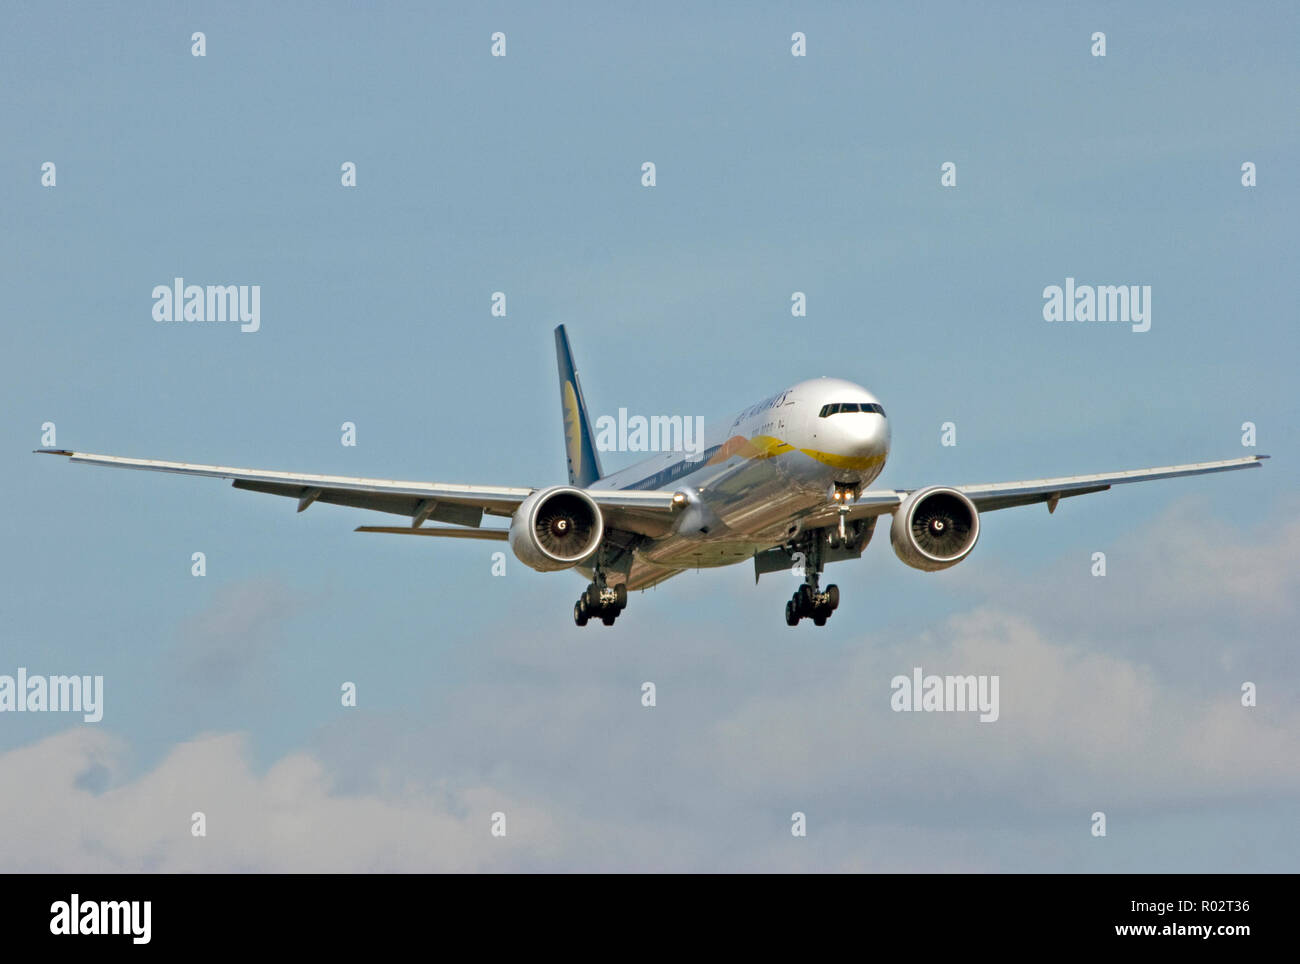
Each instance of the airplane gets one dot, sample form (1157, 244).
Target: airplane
(784, 482)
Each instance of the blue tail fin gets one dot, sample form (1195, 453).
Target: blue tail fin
(584, 465)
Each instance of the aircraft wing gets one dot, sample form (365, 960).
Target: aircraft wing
(1003, 495)
(638, 511)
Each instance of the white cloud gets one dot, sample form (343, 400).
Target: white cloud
(286, 819)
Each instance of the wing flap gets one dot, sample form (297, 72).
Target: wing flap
(988, 503)
(496, 535)
(408, 505)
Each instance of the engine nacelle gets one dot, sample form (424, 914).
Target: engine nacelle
(556, 528)
(934, 528)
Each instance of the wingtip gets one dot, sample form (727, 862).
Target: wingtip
(51, 451)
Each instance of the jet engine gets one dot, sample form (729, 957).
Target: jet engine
(934, 528)
(556, 528)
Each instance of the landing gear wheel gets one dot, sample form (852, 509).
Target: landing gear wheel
(803, 600)
(833, 597)
(601, 599)
(819, 620)
(791, 616)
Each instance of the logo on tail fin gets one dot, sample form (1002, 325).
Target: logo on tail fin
(572, 430)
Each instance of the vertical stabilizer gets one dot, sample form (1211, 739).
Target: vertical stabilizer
(579, 444)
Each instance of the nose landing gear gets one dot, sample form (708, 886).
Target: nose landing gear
(842, 493)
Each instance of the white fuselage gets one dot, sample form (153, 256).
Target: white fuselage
(760, 472)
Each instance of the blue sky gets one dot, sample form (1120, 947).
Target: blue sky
(522, 174)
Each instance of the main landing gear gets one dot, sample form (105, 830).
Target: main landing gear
(810, 602)
(600, 601)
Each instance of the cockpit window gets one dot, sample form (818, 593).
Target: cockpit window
(837, 408)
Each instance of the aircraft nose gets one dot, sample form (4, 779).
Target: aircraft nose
(864, 434)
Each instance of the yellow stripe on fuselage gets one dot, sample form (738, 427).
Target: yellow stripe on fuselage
(857, 463)
(766, 446)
